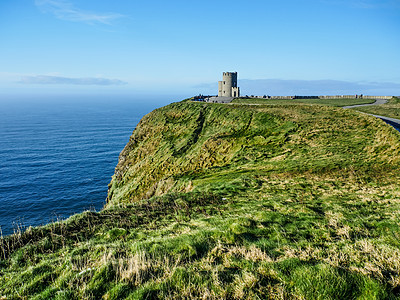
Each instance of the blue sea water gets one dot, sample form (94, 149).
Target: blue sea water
(57, 156)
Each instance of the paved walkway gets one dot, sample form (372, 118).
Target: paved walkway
(377, 102)
(391, 121)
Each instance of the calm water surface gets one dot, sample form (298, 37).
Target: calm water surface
(57, 157)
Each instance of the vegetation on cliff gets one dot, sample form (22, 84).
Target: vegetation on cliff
(235, 201)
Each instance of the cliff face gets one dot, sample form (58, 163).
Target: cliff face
(188, 146)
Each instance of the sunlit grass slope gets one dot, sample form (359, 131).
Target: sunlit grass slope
(187, 145)
(230, 202)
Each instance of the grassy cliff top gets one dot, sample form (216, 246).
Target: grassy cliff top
(188, 146)
(234, 201)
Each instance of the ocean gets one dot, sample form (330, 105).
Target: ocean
(57, 156)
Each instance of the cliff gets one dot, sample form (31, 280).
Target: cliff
(217, 201)
(187, 146)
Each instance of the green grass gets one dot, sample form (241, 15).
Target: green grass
(230, 202)
(391, 109)
(330, 102)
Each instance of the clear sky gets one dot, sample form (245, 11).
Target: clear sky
(183, 46)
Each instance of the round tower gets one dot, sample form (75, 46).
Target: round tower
(229, 80)
(228, 86)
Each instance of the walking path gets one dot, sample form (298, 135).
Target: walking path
(377, 102)
(391, 121)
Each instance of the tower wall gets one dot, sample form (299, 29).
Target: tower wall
(235, 92)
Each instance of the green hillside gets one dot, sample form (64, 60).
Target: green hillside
(237, 201)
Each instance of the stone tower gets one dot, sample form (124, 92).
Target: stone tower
(228, 86)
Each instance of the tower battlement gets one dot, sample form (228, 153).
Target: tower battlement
(229, 73)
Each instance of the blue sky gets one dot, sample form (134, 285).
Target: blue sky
(182, 47)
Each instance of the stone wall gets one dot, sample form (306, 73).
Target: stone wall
(322, 97)
(378, 97)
